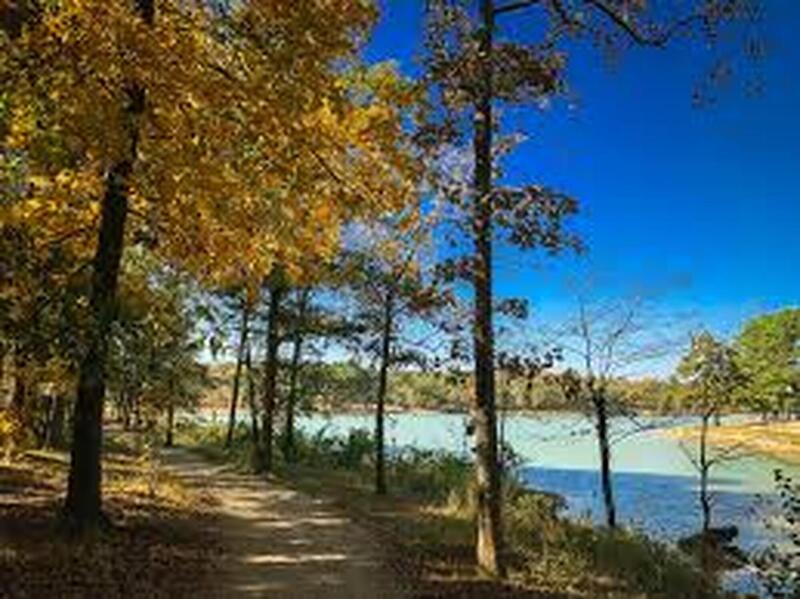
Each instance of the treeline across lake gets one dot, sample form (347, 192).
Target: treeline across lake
(348, 386)
(765, 355)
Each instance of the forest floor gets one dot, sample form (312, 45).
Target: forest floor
(779, 440)
(278, 542)
(160, 543)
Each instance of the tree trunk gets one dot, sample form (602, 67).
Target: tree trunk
(2, 373)
(605, 459)
(170, 439)
(270, 378)
(251, 398)
(705, 466)
(83, 503)
(487, 489)
(291, 400)
(380, 404)
(19, 395)
(55, 425)
(237, 374)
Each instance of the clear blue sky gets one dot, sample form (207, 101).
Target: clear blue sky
(667, 191)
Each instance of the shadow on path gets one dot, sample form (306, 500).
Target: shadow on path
(281, 543)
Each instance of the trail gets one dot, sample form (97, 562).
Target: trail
(282, 543)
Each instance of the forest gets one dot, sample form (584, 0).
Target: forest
(277, 315)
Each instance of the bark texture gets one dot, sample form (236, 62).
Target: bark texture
(237, 375)
(487, 489)
(270, 379)
(380, 404)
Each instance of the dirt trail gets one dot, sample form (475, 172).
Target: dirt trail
(282, 543)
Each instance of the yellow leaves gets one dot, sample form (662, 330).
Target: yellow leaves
(254, 149)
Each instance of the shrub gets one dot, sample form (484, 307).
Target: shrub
(779, 565)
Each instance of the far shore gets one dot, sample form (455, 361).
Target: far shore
(777, 439)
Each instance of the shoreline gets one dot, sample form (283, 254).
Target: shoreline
(777, 440)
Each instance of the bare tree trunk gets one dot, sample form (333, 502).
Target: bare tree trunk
(488, 499)
(297, 354)
(2, 372)
(55, 428)
(251, 398)
(237, 374)
(170, 440)
(270, 378)
(83, 503)
(705, 466)
(380, 404)
(601, 413)
(19, 395)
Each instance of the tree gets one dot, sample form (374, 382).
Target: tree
(270, 384)
(299, 332)
(390, 290)
(463, 62)
(241, 349)
(711, 369)
(165, 117)
(768, 352)
(474, 69)
(604, 339)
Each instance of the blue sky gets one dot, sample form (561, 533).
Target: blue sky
(669, 192)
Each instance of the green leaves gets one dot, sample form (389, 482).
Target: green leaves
(712, 370)
(769, 352)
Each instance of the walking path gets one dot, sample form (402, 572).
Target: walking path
(282, 543)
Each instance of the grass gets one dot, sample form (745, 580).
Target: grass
(158, 545)
(426, 525)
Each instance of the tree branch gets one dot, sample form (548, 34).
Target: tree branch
(514, 6)
(635, 34)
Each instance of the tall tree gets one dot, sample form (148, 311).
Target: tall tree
(299, 331)
(269, 397)
(83, 503)
(391, 292)
(241, 349)
(474, 69)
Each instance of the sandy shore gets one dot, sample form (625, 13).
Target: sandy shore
(779, 440)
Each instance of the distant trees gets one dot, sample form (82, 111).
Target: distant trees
(153, 365)
(768, 353)
(299, 330)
